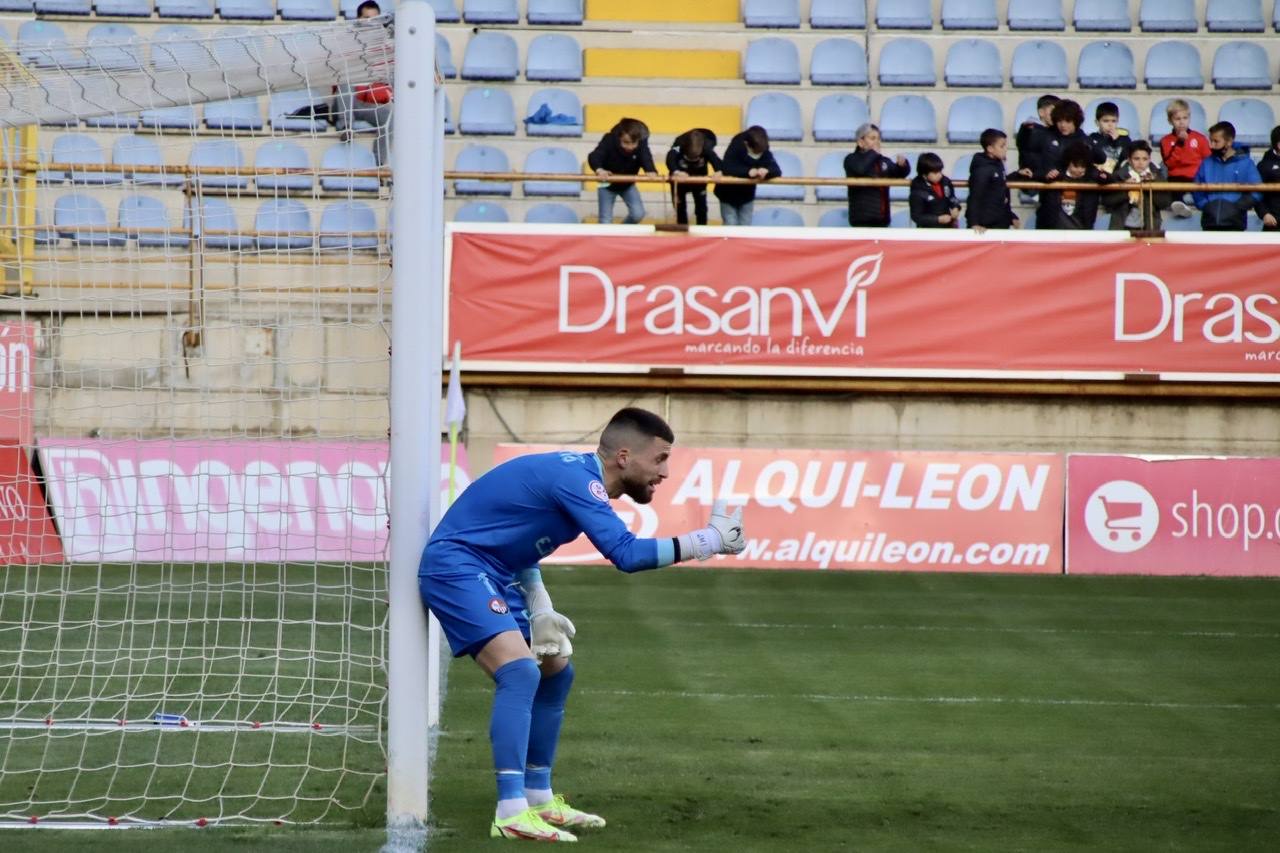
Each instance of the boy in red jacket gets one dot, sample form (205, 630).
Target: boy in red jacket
(1182, 150)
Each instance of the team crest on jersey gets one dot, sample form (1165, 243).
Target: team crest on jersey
(497, 605)
(597, 489)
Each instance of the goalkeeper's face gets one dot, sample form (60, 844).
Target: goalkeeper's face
(646, 467)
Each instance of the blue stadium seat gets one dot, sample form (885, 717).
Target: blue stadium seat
(348, 225)
(123, 8)
(48, 176)
(1129, 119)
(184, 8)
(44, 44)
(906, 62)
(215, 215)
(283, 103)
(1174, 223)
(486, 110)
(143, 151)
(960, 172)
(491, 56)
(551, 213)
(1168, 16)
(1106, 65)
(1233, 16)
(490, 12)
(347, 157)
(449, 126)
(1036, 15)
(281, 154)
(553, 57)
(831, 166)
(1039, 64)
(969, 15)
(1253, 119)
(836, 118)
(283, 223)
(444, 58)
(83, 219)
(482, 158)
(137, 212)
(836, 218)
(64, 7)
(177, 46)
(1241, 65)
(17, 6)
(1026, 111)
(777, 113)
(1102, 15)
(481, 211)
(222, 154)
(170, 118)
(247, 10)
(554, 12)
(901, 218)
(971, 115)
(235, 114)
(82, 150)
(905, 15)
(902, 193)
(45, 236)
(908, 118)
(553, 112)
(110, 48)
(776, 217)
(119, 121)
(791, 168)
(306, 10)
(838, 14)
(771, 61)
(779, 14)
(1158, 126)
(446, 11)
(838, 62)
(551, 160)
(1173, 65)
(973, 62)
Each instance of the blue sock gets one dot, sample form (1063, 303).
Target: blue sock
(509, 725)
(544, 730)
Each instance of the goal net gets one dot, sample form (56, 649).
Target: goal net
(194, 420)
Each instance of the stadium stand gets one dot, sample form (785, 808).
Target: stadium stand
(1106, 65)
(106, 50)
(1039, 64)
(171, 118)
(1036, 15)
(481, 211)
(777, 217)
(1253, 119)
(491, 56)
(837, 117)
(214, 220)
(82, 219)
(81, 150)
(490, 11)
(123, 8)
(446, 11)
(44, 45)
(551, 213)
(970, 115)
(247, 10)
(1102, 16)
(838, 62)
(444, 58)
(141, 216)
(553, 112)
(131, 150)
(282, 154)
(280, 109)
(217, 154)
(482, 158)
(776, 14)
(1128, 115)
(450, 127)
(906, 62)
(790, 165)
(487, 110)
(960, 171)
(772, 61)
(184, 8)
(1158, 125)
(1241, 65)
(235, 114)
(1168, 16)
(837, 218)
(973, 62)
(49, 176)
(1234, 16)
(554, 57)
(837, 15)
(908, 118)
(905, 15)
(306, 10)
(1173, 65)
(554, 12)
(64, 7)
(969, 15)
(283, 223)
(339, 161)
(345, 225)
(778, 114)
(831, 166)
(552, 160)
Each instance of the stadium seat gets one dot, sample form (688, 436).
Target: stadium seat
(1102, 15)
(283, 103)
(449, 126)
(969, 15)
(48, 176)
(123, 8)
(446, 11)
(490, 12)
(905, 15)
(791, 168)
(551, 160)
(1173, 65)
(482, 158)
(25, 6)
(237, 47)
(176, 46)
(215, 215)
(776, 217)
(1241, 65)
(247, 10)
(553, 57)
(1158, 126)
(281, 154)
(908, 118)
(973, 62)
(82, 150)
(1168, 16)
(491, 56)
(838, 14)
(551, 213)
(64, 7)
(553, 112)
(306, 10)
(960, 172)
(554, 12)
(971, 115)
(170, 118)
(444, 58)
(906, 62)
(1107, 65)
(772, 61)
(836, 118)
(481, 211)
(118, 121)
(902, 193)
(221, 154)
(779, 14)
(347, 157)
(347, 225)
(486, 110)
(1233, 16)
(831, 166)
(1253, 119)
(1129, 119)
(132, 150)
(835, 218)
(901, 218)
(235, 114)
(45, 236)
(1039, 64)
(778, 114)
(138, 212)
(44, 44)
(838, 62)
(109, 48)
(1036, 15)
(83, 219)
(184, 8)
(1025, 111)
(283, 223)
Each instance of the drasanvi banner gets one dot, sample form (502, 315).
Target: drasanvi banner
(741, 303)
(847, 509)
(17, 358)
(27, 535)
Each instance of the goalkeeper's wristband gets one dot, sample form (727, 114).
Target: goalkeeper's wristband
(536, 598)
(699, 544)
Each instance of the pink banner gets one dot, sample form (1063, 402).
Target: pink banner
(1173, 516)
(215, 501)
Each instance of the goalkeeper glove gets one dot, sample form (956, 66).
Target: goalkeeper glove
(549, 631)
(722, 535)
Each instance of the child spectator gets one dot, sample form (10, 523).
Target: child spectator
(989, 205)
(1269, 169)
(1031, 139)
(746, 157)
(624, 150)
(1226, 211)
(1134, 209)
(869, 206)
(1067, 117)
(370, 102)
(693, 153)
(1068, 209)
(1181, 150)
(933, 198)
(1110, 140)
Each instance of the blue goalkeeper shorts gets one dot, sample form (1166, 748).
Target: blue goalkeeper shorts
(471, 606)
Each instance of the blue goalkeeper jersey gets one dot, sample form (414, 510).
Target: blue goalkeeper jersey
(525, 508)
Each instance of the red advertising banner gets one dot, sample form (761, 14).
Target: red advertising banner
(844, 509)
(27, 535)
(17, 348)
(549, 301)
(1173, 516)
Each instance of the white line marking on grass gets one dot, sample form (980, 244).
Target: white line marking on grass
(973, 629)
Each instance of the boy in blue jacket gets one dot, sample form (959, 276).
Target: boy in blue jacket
(746, 157)
(1226, 211)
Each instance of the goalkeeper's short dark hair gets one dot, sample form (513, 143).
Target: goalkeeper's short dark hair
(631, 423)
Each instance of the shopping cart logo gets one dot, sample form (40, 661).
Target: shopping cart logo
(1121, 516)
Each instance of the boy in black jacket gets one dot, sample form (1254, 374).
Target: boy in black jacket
(746, 157)
(1072, 210)
(869, 206)
(1031, 138)
(989, 204)
(1269, 168)
(1067, 117)
(622, 151)
(693, 153)
(1110, 140)
(933, 198)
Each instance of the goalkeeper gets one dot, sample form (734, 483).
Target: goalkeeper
(479, 577)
